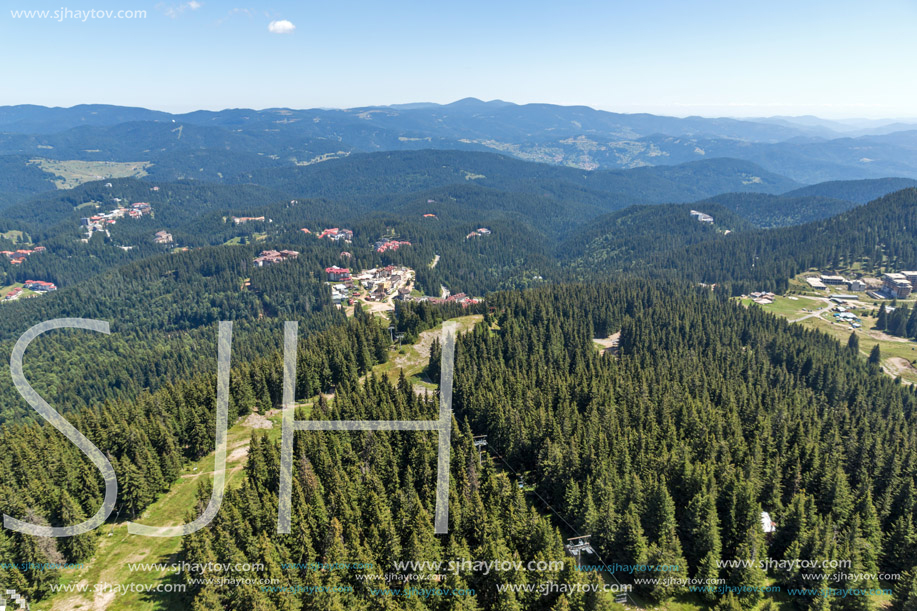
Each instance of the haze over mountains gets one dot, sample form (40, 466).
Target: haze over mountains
(223, 143)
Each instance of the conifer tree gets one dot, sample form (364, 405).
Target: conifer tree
(79, 548)
(749, 575)
(900, 547)
(870, 542)
(905, 591)
(882, 320)
(664, 548)
(629, 543)
(875, 355)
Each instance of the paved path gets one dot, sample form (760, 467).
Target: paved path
(827, 308)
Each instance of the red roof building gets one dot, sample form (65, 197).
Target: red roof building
(39, 286)
(337, 234)
(269, 257)
(336, 273)
(390, 245)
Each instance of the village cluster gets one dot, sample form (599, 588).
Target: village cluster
(843, 311)
(37, 286)
(97, 222)
(382, 284)
(460, 298)
(843, 314)
(379, 283)
(892, 285)
(389, 244)
(334, 234)
(762, 297)
(18, 257)
(270, 257)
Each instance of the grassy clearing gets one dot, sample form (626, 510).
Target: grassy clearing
(790, 308)
(15, 236)
(413, 359)
(73, 173)
(117, 548)
(25, 293)
(899, 356)
(255, 237)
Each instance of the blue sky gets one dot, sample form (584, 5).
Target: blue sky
(833, 59)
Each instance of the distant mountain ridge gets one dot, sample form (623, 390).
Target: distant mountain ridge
(469, 116)
(859, 191)
(372, 175)
(807, 150)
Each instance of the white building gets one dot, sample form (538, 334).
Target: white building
(815, 283)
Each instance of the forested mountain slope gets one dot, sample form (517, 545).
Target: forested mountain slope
(614, 241)
(364, 176)
(710, 414)
(620, 446)
(161, 311)
(877, 235)
(665, 454)
(859, 191)
(766, 210)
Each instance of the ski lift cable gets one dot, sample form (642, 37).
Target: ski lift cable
(556, 513)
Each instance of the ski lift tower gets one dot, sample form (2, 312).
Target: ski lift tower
(577, 546)
(480, 441)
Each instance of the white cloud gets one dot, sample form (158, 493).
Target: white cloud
(281, 27)
(233, 13)
(174, 10)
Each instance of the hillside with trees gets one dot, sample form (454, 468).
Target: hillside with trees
(660, 453)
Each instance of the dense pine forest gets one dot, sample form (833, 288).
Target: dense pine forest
(665, 452)
(876, 236)
(665, 448)
(668, 452)
(147, 439)
(665, 455)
